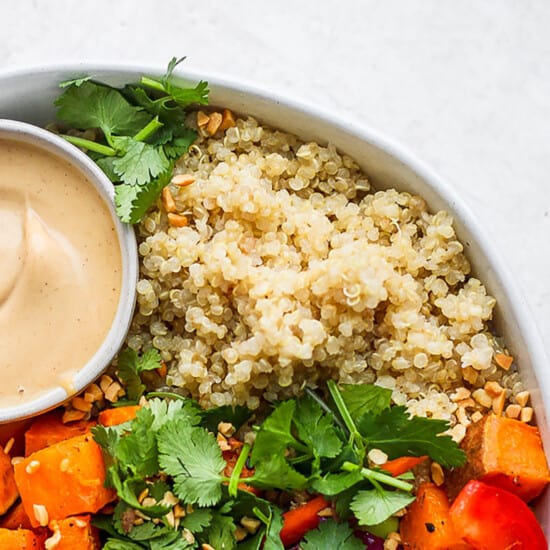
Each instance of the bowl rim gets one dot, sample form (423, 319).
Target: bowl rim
(441, 186)
(22, 132)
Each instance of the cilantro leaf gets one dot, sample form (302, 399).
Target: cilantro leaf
(74, 81)
(197, 520)
(398, 434)
(132, 201)
(273, 530)
(121, 544)
(93, 105)
(130, 366)
(140, 163)
(316, 429)
(329, 534)
(332, 484)
(363, 399)
(194, 459)
(237, 416)
(168, 411)
(376, 505)
(275, 434)
(275, 472)
(180, 144)
(220, 535)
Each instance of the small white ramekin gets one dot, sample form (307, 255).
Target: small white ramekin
(47, 141)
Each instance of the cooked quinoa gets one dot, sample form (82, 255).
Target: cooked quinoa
(292, 270)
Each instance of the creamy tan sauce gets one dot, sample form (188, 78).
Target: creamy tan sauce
(60, 272)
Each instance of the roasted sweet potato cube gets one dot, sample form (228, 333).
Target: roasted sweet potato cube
(16, 518)
(62, 480)
(73, 533)
(118, 415)
(8, 489)
(21, 539)
(505, 453)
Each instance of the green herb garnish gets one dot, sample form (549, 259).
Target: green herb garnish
(143, 132)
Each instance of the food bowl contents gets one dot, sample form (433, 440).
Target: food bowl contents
(310, 365)
(61, 271)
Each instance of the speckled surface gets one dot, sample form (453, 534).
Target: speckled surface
(465, 85)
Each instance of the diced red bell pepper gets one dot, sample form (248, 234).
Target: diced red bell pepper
(490, 518)
(304, 518)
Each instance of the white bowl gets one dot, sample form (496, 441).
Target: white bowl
(28, 94)
(46, 141)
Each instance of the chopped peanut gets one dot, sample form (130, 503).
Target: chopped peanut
(325, 512)
(438, 476)
(226, 429)
(177, 220)
(494, 389)
(8, 446)
(469, 374)
(72, 415)
(40, 514)
(462, 417)
(250, 524)
(222, 443)
(377, 457)
(526, 414)
(112, 392)
(476, 417)
(214, 123)
(466, 403)
(168, 200)
(504, 361)
(104, 382)
(513, 411)
(53, 541)
(461, 394)
(483, 398)
(80, 404)
(228, 120)
(522, 398)
(183, 180)
(498, 403)
(93, 393)
(202, 119)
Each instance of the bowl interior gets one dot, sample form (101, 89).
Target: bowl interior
(28, 95)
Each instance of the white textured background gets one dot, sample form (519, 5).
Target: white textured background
(465, 85)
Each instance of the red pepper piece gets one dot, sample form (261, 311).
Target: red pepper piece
(304, 518)
(490, 518)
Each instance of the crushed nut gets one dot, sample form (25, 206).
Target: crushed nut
(325, 512)
(226, 429)
(9, 445)
(168, 200)
(460, 394)
(182, 180)
(32, 466)
(504, 361)
(80, 404)
(177, 220)
(222, 442)
(16, 460)
(143, 494)
(522, 398)
(468, 403)
(170, 519)
(188, 536)
(462, 417)
(476, 417)
(483, 398)
(499, 402)
(250, 524)
(53, 541)
(494, 389)
(377, 457)
(148, 501)
(80, 523)
(458, 432)
(214, 123)
(228, 120)
(526, 414)
(40, 514)
(104, 382)
(112, 392)
(93, 393)
(513, 410)
(469, 374)
(240, 533)
(169, 499)
(72, 415)
(179, 512)
(438, 476)
(206, 546)
(202, 119)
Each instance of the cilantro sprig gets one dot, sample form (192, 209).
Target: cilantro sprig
(142, 132)
(307, 443)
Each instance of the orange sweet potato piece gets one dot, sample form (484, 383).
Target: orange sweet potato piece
(16, 518)
(21, 539)
(118, 415)
(505, 453)
(66, 479)
(8, 489)
(73, 533)
(427, 524)
(15, 430)
(48, 429)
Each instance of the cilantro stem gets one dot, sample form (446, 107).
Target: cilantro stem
(326, 408)
(149, 129)
(91, 145)
(236, 473)
(151, 83)
(260, 515)
(374, 476)
(167, 395)
(346, 416)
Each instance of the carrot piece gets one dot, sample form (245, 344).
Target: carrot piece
(117, 415)
(297, 522)
(427, 524)
(49, 428)
(16, 518)
(8, 489)
(505, 453)
(21, 539)
(403, 464)
(73, 533)
(63, 480)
